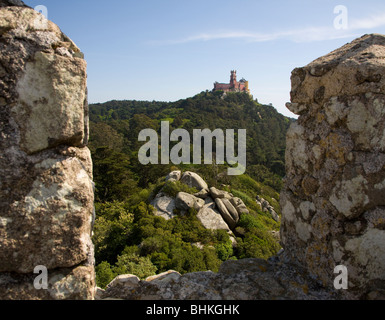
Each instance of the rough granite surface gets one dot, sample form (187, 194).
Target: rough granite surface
(46, 188)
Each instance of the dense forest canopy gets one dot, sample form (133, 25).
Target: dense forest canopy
(117, 124)
(128, 237)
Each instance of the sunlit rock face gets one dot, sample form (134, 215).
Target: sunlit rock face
(333, 202)
(46, 188)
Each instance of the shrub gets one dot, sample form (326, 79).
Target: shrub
(134, 264)
(224, 250)
(104, 274)
(172, 188)
(257, 244)
(249, 222)
(112, 229)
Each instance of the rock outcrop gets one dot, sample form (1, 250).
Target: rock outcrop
(46, 188)
(164, 206)
(216, 209)
(225, 214)
(246, 279)
(333, 202)
(184, 201)
(174, 175)
(193, 180)
(210, 217)
(265, 206)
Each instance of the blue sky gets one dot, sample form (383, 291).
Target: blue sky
(173, 49)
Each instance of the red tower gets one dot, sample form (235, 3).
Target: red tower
(233, 79)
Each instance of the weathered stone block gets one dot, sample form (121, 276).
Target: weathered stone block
(335, 166)
(50, 222)
(46, 188)
(50, 107)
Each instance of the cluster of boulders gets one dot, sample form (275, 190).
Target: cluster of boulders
(265, 206)
(216, 209)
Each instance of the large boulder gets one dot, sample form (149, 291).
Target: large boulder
(164, 206)
(203, 194)
(266, 207)
(193, 180)
(185, 201)
(225, 213)
(216, 193)
(239, 205)
(231, 209)
(174, 175)
(211, 218)
(121, 285)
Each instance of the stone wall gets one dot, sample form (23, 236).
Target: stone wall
(246, 279)
(46, 188)
(333, 202)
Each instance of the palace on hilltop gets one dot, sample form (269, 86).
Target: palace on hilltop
(234, 85)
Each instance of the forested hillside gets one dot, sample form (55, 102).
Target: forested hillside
(128, 237)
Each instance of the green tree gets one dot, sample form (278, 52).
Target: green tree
(112, 230)
(129, 263)
(137, 123)
(224, 250)
(104, 135)
(113, 177)
(104, 274)
(178, 122)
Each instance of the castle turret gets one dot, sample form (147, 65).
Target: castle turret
(233, 78)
